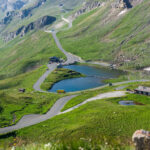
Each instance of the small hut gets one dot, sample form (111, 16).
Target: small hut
(142, 90)
(22, 90)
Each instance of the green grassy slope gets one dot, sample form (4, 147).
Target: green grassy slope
(81, 145)
(97, 35)
(20, 67)
(15, 104)
(103, 35)
(102, 121)
(27, 53)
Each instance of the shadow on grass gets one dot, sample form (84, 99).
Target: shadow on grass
(11, 134)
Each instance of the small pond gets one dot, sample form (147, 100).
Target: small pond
(94, 78)
(127, 103)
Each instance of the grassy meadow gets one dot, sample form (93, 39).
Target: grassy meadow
(23, 61)
(14, 105)
(84, 95)
(101, 122)
(25, 54)
(106, 36)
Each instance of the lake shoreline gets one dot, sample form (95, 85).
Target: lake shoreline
(94, 78)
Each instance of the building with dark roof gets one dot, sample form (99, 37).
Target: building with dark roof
(142, 90)
(54, 59)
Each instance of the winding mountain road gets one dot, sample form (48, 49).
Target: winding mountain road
(71, 59)
(29, 120)
(33, 119)
(51, 68)
(98, 97)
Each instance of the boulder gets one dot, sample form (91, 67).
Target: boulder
(141, 139)
(121, 4)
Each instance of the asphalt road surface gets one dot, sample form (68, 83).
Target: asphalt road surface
(32, 119)
(51, 68)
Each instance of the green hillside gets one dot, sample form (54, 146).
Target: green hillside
(102, 123)
(24, 54)
(23, 61)
(14, 104)
(103, 35)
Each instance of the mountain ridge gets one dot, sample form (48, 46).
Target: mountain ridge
(11, 5)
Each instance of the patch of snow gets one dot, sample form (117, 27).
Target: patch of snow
(147, 69)
(122, 12)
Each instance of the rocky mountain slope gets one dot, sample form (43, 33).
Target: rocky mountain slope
(11, 13)
(11, 5)
(116, 32)
(87, 6)
(38, 24)
(17, 17)
(113, 31)
(103, 30)
(22, 46)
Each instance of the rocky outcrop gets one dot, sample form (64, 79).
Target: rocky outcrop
(122, 4)
(141, 139)
(40, 23)
(87, 7)
(27, 12)
(18, 5)
(8, 18)
(11, 5)
(20, 14)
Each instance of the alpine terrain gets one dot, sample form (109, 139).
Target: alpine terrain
(74, 74)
